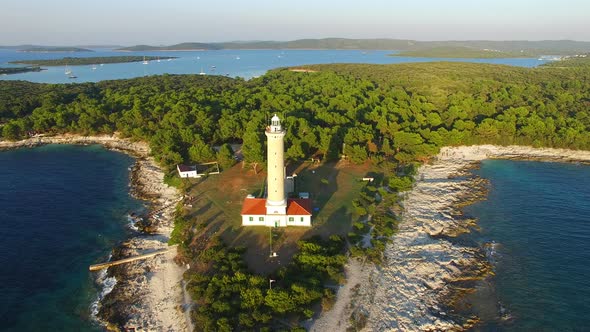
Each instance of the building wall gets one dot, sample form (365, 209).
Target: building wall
(276, 221)
(304, 221)
(255, 220)
(190, 174)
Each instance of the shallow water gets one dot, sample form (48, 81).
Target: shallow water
(62, 208)
(538, 217)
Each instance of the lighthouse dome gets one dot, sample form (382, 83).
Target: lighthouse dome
(275, 124)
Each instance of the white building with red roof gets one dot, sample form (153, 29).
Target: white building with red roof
(276, 210)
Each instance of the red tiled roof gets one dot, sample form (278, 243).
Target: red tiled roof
(254, 206)
(299, 207)
(295, 207)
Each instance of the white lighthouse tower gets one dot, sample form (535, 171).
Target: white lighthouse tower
(276, 210)
(276, 203)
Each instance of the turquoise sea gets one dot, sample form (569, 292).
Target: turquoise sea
(62, 208)
(242, 63)
(537, 218)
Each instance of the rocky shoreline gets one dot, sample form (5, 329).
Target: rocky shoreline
(429, 268)
(145, 295)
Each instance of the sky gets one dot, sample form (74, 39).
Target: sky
(166, 22)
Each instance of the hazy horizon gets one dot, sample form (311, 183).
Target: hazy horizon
(132, 22)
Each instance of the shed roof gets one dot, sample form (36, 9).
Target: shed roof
(186, 168)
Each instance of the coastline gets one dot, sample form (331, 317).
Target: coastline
(144, 294)
(427, 271)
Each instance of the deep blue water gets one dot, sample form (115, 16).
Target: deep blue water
(243, 63)
(539, 216)
(62, 208)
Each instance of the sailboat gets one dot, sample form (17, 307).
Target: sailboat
(145, 62)
(202, 72)
(158, 59)
(67, 71)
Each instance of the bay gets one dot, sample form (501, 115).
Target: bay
(62, 208)
(232, 63)
(537, 215)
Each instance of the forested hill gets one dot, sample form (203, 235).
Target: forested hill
(54, 49)
(403, 111)
(511, 46)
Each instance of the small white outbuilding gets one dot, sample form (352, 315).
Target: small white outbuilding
(187, 171)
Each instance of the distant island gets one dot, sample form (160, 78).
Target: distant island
(176, 47)
(462, 52)
(54, 49)
(531, 48)
(19, 70)
(90, 60)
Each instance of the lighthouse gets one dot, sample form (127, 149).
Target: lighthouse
(276, 209)
(275, 203)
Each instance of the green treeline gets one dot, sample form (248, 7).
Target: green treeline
(405, 111)
(75, 61)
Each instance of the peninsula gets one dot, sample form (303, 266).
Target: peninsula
(462, 53)
(19, 70)
(75, 61)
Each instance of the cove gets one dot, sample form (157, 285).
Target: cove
(62, 208)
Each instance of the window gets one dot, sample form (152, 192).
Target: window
(291, 219)
(301, 219)
(260, 218)
(251, 218)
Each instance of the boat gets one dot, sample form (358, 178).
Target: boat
(237, 58)
(158, 59)
(145, 62)
(93, 67)
(202, 72)
(72, 76)
(67, 71)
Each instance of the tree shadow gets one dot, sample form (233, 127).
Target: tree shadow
(199, 211)
(319, 180)
(338, 223)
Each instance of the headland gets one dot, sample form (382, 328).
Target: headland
(427, 270)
